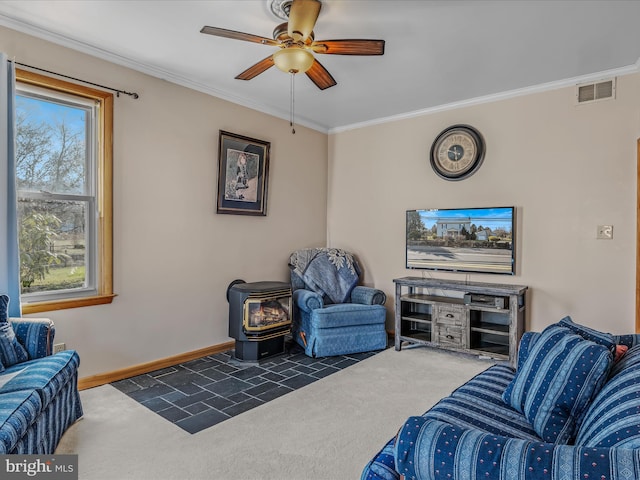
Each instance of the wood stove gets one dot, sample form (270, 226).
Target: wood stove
(259, 318)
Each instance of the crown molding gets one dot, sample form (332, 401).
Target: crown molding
(495, 97)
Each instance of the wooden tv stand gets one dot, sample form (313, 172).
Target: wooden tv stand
(488, 322)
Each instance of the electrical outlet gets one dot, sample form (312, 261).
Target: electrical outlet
(59, 347)
(605, 232)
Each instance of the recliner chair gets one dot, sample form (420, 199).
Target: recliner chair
(332, 314)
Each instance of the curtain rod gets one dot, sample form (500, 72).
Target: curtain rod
(118, 92)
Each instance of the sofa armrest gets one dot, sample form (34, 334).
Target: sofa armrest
(35, 335)
(307, 300)
(368, 296)
(428, 449)
(382, 465)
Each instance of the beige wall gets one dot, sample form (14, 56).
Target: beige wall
(566, 168)
(173, 255)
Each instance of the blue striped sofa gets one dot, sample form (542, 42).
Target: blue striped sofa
(39, 396)
(473, 434)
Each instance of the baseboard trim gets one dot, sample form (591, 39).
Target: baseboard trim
(104, 378)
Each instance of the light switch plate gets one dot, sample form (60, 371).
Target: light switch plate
(605, 232)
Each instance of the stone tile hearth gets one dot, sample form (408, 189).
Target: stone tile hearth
(203, 392)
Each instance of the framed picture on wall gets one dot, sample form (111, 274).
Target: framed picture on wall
(243, 172)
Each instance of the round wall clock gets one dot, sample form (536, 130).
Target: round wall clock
(457, 152)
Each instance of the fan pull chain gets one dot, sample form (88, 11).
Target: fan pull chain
(292, 105)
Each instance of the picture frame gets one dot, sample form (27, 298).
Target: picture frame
(243, 174)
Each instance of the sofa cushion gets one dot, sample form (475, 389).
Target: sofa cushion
(557, 381)
(18, 410)
(11, 352)
(588, 333)
(613, 418)
(527, 341)
(35, 335)
(47, 376)
(478, 404)
(529, 338)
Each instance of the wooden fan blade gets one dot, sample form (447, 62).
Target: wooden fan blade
(302, 18)
(257, 69)
(320, 76)
(247, 37)
(349, 47)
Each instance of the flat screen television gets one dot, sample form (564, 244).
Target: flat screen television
(477, 240)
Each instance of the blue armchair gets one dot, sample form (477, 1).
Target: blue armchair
(332, 314)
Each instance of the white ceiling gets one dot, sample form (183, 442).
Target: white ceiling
(438, 53)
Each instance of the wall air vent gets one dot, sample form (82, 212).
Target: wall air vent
(594, 92)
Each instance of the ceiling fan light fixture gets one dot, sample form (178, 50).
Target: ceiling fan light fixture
(296, 44)
(293, 59)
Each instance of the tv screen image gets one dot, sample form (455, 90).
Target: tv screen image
(478, 240)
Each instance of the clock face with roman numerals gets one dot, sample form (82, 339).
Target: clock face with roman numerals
(457, 152)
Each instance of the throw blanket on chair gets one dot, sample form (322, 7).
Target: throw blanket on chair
(329, 272)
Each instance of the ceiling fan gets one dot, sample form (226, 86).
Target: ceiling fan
(296, 43)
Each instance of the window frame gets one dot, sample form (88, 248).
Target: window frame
(103, 193)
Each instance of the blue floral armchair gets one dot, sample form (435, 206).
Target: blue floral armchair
(332, 314)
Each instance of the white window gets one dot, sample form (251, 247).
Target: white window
(64, 184)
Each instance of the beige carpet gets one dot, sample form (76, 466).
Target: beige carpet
(327, 430)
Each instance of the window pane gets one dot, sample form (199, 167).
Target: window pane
(51, 146)
(64, 171)
(53, 245)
